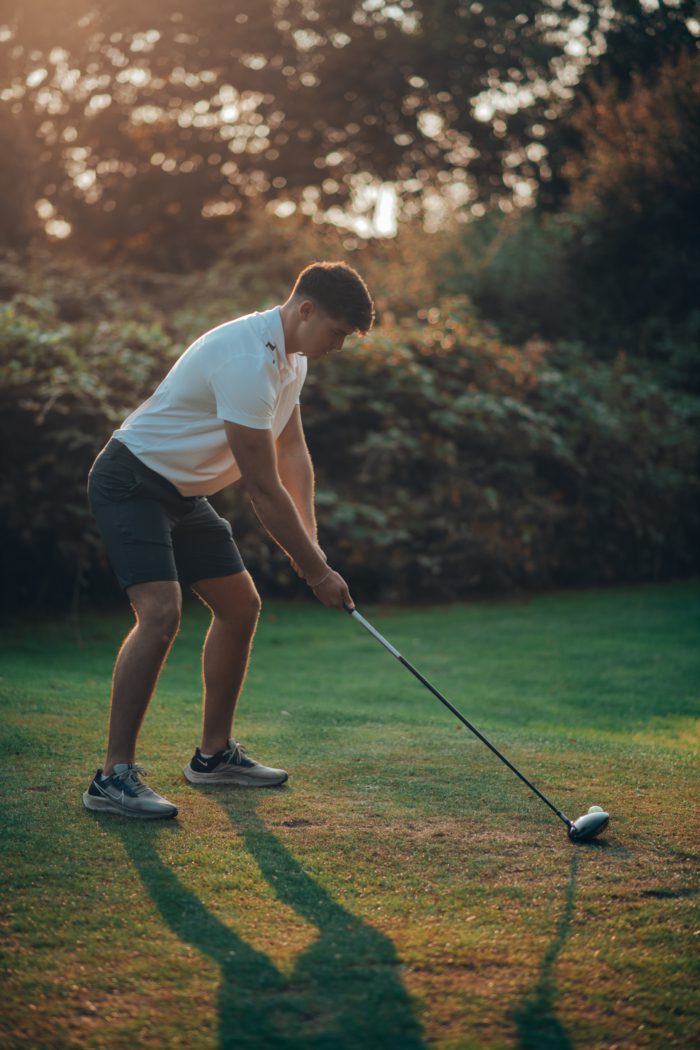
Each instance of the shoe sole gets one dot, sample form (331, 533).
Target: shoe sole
(227, 778)
(103, 805)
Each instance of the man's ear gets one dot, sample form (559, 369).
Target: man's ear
(306, 308)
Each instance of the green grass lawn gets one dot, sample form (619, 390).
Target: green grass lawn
(404, 890)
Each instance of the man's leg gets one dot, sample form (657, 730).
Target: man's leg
(157, 607)
(235, 605)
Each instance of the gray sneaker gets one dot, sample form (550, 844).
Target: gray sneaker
(232, 766)
(125, 793)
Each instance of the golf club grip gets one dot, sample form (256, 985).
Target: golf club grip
(374, 632)
(458, 714)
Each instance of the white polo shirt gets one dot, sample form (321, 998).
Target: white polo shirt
(237, 372)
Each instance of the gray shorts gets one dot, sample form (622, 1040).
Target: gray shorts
(150, 530)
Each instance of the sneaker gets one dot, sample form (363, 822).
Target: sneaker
(232, 766)
(124, 792)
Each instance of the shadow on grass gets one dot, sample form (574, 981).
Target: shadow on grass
(537, 1023)
(345, 991)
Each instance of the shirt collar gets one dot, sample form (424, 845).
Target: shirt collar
(274, 332)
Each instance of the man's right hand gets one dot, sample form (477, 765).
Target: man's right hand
(333, 592)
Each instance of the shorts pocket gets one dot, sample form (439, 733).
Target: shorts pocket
(112, 482)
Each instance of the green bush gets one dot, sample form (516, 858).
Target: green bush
(447, 461)
(457, 463)
(64, 389)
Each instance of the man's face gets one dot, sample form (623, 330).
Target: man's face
(318, 334)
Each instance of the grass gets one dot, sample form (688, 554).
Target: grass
(404, 890)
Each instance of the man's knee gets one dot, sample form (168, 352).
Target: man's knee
(158, 608)
(244, 611)
(250, 603)
(165, 621)
(234, 599)
(254, 604)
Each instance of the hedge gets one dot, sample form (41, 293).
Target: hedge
(447, 461)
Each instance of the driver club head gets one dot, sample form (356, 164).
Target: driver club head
(589, 825)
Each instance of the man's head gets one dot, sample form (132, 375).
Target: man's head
(329, 301)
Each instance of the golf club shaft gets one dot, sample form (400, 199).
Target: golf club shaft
(436, 692)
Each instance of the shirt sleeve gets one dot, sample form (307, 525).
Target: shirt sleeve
(243, 393)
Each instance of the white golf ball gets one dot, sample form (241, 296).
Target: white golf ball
(596, 809)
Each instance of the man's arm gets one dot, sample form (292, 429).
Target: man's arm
(296, 471)
(256, 457)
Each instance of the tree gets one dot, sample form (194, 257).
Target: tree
(18, 182)
(633, 41)
(635, 192)
(158, 125)
(610, 255)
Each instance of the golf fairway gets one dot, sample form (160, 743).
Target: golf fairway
(405, 889)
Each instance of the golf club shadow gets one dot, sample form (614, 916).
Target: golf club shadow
(538, 1026)
(345, 989)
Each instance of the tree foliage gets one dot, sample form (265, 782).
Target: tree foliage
(159, 126)
(635, 190)
(618, 265)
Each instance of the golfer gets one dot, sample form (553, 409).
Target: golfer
(227, 410)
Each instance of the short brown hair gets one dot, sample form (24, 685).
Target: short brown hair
(339, 291)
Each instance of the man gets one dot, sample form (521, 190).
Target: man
(227, 410)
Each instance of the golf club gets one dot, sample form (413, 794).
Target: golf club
(586, 827)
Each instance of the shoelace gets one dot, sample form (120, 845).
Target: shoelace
(131, 777)
(236, 753)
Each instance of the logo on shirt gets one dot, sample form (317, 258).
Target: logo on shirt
(272, 346)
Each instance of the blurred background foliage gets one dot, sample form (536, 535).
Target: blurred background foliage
(519, 183)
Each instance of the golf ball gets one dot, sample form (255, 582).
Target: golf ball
(596, 809)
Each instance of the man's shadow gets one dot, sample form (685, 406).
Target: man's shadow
(344, 992)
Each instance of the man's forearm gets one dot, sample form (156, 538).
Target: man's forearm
(297, 475)
(277, 512)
